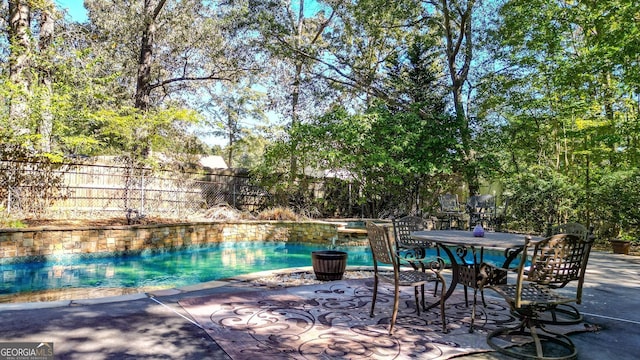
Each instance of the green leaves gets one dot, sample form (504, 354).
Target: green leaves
(618, 200)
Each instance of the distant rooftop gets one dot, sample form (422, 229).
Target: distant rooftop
(213, 162)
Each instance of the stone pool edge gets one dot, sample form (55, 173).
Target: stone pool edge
(38, 244)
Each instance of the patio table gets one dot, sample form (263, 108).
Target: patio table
(465, 270)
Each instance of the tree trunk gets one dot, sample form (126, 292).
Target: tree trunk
(45, 127)
(20, 45)
(143, 86)
(295, 98)
(295, 94)
(143, 83)
(459, 44)
(230, 124)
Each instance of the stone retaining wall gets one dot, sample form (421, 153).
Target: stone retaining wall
(19, 245)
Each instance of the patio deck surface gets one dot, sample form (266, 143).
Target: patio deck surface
(155, 326)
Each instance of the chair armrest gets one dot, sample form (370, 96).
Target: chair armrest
(435, 264)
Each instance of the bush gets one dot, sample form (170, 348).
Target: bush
(617, 204)
(541, 197)
(8, 222)
(278, 213)
(29, 181)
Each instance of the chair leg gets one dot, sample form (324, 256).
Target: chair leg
(569, 315)
(396, 303)
(415, 289)
(466, 297)
(473, 311)
(544, 344)
(435, 288)
(424, 304)
(375, 294)
(563, 314)
(474, 305)
(443, 291)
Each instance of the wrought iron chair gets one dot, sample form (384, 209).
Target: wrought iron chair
(405, 245)
(555, 261)
(450, 210)
(383, 252)
(566, 314)
(410, 250)
(482, 210)
(502, 218)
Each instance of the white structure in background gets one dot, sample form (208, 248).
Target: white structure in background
(213, 162)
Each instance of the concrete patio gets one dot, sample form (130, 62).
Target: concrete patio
(142, 326)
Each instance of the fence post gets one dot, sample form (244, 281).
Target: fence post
(9, 200)
(235, 182)
(9, 194)
(142, 193)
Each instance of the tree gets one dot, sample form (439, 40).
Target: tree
(292, 39)
(178, 46)
(565, 92)
(232, 109)
(20, 45)
(45, 48)
(150, 15)
(454, 21)
(30, 36)
(178, 49)
(394, 154)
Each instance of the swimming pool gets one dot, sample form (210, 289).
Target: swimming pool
(170, 269)
(166, 269)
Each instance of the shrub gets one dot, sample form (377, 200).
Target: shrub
(617, 201)
(540, 197)
(29, 181)
(278, 213)
(7, 222)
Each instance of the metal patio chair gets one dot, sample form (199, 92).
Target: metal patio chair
(482, 210)
(383, 252)
(501, 219)
(555, 261)
(450, 211)
(406, 246)
(567, 313)
(412, 251)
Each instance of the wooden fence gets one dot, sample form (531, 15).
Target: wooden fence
(86, 190)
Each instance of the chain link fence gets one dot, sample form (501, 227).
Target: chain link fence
(66, 191)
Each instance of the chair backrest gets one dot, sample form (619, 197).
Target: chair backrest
(381, 247)
(502, 210)
(556, 261)
(482, 204)
(449, 202)
(402, 229)
(570, 228)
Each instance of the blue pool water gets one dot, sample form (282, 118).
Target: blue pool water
(165, 269)
(169, 269)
